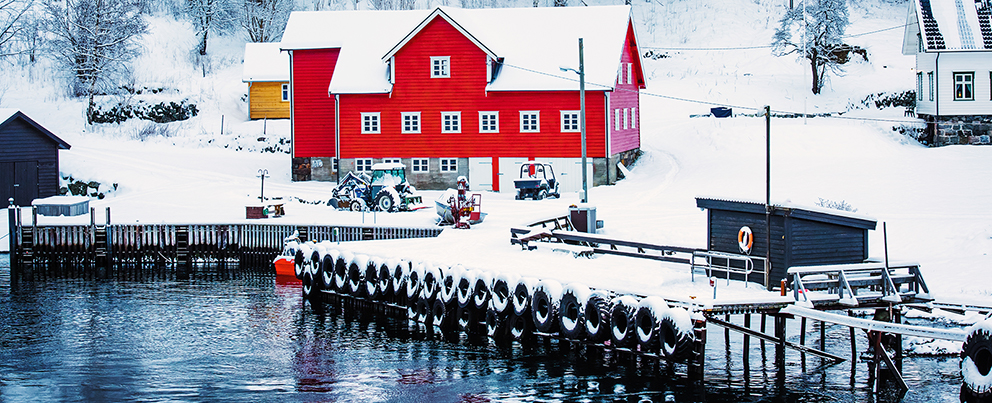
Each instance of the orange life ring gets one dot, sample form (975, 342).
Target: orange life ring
(745, 239)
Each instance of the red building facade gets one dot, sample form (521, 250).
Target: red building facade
(453, 98)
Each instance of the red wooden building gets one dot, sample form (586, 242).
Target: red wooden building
(471, 92)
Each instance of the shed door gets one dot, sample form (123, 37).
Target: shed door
(25, 182)
(480, 173)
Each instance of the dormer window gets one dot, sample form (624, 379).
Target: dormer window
(440, 66)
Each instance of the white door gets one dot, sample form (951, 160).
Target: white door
(568, 171)
(509, 169)
(480, 173)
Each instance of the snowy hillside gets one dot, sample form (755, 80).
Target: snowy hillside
(934, 201)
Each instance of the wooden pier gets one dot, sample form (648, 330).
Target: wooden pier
(134, 251)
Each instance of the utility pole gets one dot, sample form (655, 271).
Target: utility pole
(582, 121)
(768, 196)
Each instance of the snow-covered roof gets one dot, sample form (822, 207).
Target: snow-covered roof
(265, 62)
(8, 114)
(814, 213)
(953, 24)
(366, 38)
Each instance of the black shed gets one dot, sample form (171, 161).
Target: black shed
(29, 159)
(799, 236)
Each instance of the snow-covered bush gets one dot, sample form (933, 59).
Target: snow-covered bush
(841, 205)
(76, 187)
(161, 112)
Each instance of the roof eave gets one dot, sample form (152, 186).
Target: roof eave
(61, 143)
(438, 12)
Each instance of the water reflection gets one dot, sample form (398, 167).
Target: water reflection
(251, 339)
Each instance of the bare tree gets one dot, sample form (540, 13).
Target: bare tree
(211, 16)
(814, 31)
(265, 20)
(11, 12)
(94, 40)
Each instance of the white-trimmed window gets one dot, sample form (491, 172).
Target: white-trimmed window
(530, 121)
(411, 122)
(626, 118)
(451, 122)
(919, 85)
(633, 118)
(630, 73)
(449, 164)
(488, 122)
(570, 121)
(392, 161)
(964, 86)
(420, 164)
(930, 79)
(440, 66)
(616, 119)
(285, 92)
(363, 165)
(370, 122)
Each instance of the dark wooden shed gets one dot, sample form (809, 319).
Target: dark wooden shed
(29, 159)
(800, 236)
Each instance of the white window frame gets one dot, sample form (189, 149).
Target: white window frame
(633, 117)
(630, 73)
(494, 125)
(414, 120)
(370, 123)
(616, 119)
(363, 165)
(919, 85)
(285, 92)
(420, 165)
(526, 124)
(392, 160)
(451, 122)
(626, 118)
(967, 85)
(930, 79)
(440, 66)
(567, 127)
(448, 164)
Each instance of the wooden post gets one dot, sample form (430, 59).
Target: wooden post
(854, 344)
(823, 336)
(15, 268)
(698, 361)
(747, 339)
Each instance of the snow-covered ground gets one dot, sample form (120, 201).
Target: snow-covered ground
(935, 202)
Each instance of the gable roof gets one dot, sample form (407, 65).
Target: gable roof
(819, 214)
(265, 62)
(9, 115)
(533, 43)
(951, 25)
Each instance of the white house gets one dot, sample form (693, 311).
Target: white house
(952, 42)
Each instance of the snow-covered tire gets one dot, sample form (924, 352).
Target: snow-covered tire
(675, 334)
(313, 266)
(502, 292)
(647, 321)
(466, 288)
(597, 312)
(371, 284)
(572, 311)
(307, 287)
(441, 315)
(424, 308)
(400, 269)
(495, 323)
(449, 283)
(622, 333)
(341, 272)
(385, 283)
(414, 281)
(356, 276)
(522, 293)
(976, 360)
(520, 327)
(298, 263)
(482, 291)
(327, 270)
(357, 205)
(431, 283)
(387, 200)
(544, 305)
(466, 318)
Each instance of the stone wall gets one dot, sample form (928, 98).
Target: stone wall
(949, 130)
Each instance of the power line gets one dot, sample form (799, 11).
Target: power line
(762, 46)
(712, 103)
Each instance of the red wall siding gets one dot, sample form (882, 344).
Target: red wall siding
(626, 97)
(313, 109)
(464, 91)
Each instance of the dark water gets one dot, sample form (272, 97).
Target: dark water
(251, 339)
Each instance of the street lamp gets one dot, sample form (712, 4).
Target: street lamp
(582, 117)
